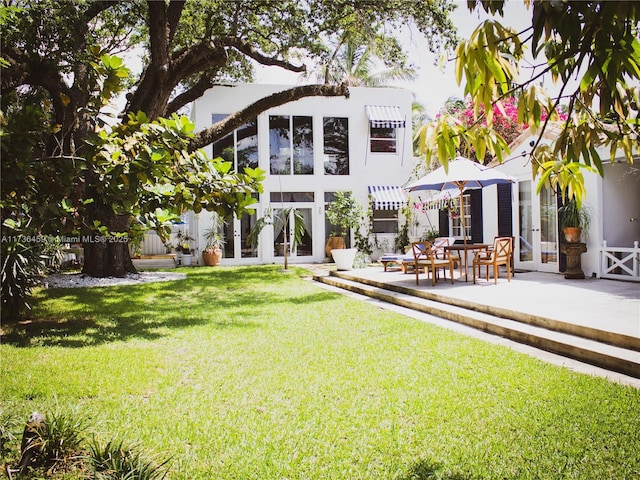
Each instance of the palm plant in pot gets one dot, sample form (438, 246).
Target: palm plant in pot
(212, 252)
(346, 213)
(574, 219)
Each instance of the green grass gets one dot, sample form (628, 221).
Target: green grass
(248, 373)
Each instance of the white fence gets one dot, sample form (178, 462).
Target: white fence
(152, 245)
(619, 263)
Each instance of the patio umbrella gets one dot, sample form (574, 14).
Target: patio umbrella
(462, 174)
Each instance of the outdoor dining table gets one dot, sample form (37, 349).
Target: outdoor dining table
(466, 248)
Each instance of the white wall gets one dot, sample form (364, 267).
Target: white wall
(366, 168)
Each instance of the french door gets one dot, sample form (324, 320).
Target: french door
(237, 246)
(537, 247)
(281, 227)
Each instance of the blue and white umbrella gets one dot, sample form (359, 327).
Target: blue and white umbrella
(462, 174)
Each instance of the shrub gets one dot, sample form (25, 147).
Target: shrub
(115, 460)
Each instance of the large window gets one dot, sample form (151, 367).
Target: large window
(383, 140)
(290, 145)
(336, 145)
(240, 147)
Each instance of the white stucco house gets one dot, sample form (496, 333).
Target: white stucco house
(310, 149)
(613, 202)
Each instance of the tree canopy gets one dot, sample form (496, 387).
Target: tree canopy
(61, 59)
(589, 50)
(66, 169)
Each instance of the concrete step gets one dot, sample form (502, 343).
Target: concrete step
(614, 354)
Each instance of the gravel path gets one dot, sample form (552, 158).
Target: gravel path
(75, 280)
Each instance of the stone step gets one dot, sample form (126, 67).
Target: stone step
(542, 333)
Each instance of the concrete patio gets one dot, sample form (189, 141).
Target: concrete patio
(593, 322)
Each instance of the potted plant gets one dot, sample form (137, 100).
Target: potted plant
(574, 218)
(346, 213)
(184, 250)
(212, 253)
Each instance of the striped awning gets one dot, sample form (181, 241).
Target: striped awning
(387, 197)
(385, 116)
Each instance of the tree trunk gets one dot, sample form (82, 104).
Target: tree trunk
(107, 255)
(107, 259)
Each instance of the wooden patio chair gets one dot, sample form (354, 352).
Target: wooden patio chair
(426, 256)
(500, 254)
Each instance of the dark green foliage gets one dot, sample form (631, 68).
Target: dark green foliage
(117, 460)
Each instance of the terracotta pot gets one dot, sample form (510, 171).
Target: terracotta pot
(572, 234)
(333, 242)
(213, 257)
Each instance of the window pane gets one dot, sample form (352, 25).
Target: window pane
(223, 147)
(456, 223)
(302, 146)
(383, 146)
(292, 197)
(383, 132)
(336, 145)
(247, 148)
(279, 145)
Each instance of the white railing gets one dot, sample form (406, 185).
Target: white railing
(619, 263)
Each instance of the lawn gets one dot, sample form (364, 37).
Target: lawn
(249, 373)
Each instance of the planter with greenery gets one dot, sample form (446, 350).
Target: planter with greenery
(346, 213)
(183, 249)
(212, 252)
(574, 219)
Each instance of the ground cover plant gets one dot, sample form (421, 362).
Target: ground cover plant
(249, 373)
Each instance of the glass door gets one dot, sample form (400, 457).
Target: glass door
(236, 232)
(537, 245)
(282, 227)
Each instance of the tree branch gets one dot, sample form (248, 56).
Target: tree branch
(158, 35)
(250, 52)
(222, 128)
(196, 91)
(95, 8)
(174, 12)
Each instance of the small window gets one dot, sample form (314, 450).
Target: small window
(383, 140)
(385, 221)
(456, 224)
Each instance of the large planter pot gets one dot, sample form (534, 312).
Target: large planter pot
(344, 257)
(212, 257)
(332, 243)
(572, 234)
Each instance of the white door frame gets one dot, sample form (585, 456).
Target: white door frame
(537, 242)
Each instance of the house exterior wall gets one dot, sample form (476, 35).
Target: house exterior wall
(366, 168)
(613, 202)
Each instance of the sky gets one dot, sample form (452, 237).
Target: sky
(433, 86)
